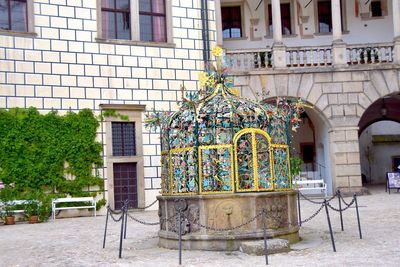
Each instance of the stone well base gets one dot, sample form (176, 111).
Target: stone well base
(225, 211)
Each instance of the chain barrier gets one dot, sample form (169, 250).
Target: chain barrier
(142, 222)
(163, 220)
(230, 228)
(112, 213)
(347, 204)
(341, 210)
(313, 215)
(318, 202)
(146, 207)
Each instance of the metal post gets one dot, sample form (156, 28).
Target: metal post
(180, 236)
(122, 232)
(340, 209)
(264, 218)
(105, 228)
(358, 216)
(330, 226)
(126, 222)
(298, 206)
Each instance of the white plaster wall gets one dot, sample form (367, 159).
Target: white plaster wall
(359, 31)
(381, 153)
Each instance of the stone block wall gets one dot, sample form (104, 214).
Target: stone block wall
(62, 65)
(339, 96)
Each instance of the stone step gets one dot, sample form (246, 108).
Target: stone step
(274, 245)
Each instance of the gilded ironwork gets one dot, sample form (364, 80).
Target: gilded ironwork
(218, 142)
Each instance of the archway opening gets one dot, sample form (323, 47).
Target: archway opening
(379, 139)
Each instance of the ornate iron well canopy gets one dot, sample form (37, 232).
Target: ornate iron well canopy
(218, 143)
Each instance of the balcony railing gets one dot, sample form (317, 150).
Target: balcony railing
(308, 57)
(373, 53)
(245, 60)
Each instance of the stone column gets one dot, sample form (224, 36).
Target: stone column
(336, 20)
(338, 46)
(276, 21)
(218, 22)
(396, 30)
(345, 158)
(278, 49)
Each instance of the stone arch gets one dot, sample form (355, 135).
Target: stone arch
(379, 142)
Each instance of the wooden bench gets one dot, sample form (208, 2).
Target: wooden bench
(56, 201)
(311, 186)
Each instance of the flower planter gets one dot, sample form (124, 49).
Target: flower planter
(33, 219)
(9, 220)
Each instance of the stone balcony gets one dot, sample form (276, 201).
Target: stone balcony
(316, 58)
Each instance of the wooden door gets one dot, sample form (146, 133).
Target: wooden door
(125, 184)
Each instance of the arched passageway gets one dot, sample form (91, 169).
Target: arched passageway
(379, 139)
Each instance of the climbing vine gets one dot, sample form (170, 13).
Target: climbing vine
(49, 152)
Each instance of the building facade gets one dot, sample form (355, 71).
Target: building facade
(341, 57)
(132, 56)
(127, 55)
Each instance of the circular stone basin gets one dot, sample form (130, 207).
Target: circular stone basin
(206, 215)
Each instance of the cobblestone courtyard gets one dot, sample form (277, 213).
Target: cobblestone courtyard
(78, 241)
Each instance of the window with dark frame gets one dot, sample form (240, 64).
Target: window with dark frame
(152, 20)
(376, 9)
(123, 139)
(324, 17)
(231, 22)
(14, 15)
(116, 19)
(285, 19)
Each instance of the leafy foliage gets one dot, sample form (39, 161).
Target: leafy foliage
(38, 151)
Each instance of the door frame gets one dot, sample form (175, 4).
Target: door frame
(134, 113)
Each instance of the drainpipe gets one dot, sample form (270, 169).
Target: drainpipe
(205, 32)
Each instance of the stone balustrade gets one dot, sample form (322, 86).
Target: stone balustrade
(306, 57)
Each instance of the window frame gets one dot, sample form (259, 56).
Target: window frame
(122, 138)
(343, 15)
(134, 113)
(231, 19)
(135, 27)
(30, 22)
(242, 19)
(292, 18)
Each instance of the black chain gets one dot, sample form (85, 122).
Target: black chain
(341, 210)
(313, 215)
(148, 206)
(151, 223)
(115, 211)
(231, 228)
(142, 222)
(347, 204)
(113, 218)
(317, 202)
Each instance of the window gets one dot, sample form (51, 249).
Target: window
(324, 17)
(152, 20)
(137, 20)
(123, 138)
(116, 19)
(376, 9)
(231, 22)
(285, 19)
(14, 15)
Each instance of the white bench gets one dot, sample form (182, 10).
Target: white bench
(56, 201)
(311, 186)
(16, 203)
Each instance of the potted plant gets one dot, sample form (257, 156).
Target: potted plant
(9, 218)
(32, 210)
(295, 167)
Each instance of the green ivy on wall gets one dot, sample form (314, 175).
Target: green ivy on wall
(38, 151)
